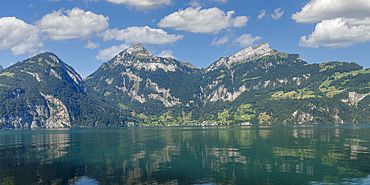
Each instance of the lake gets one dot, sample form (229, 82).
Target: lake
(320, 154)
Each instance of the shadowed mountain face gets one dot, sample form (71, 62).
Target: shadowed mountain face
(253, 86)
(45, 92)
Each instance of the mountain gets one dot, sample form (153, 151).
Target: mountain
(148, 85)
(1, 67)
(257, 85)
(44, 92)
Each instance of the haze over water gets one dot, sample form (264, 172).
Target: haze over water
(187, 155)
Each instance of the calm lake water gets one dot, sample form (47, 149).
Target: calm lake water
(188, 155)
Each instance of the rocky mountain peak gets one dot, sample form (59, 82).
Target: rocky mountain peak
(140, 58)
(51, 62)
(138, 49)
(1, 67)
(249, 52)
(71, 72)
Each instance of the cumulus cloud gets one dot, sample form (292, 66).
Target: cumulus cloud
(194, 3)
(19, 36)
(262, 14)
(220, 41)
(143, 4)
(341, 23)
(197, 3)
(318, 10)
(336, 33)
(197, 20)
(277, 13)
(107, 54)
(76, 24)
(246, 40)
(144, 35)
(166, 54)
(91, 45)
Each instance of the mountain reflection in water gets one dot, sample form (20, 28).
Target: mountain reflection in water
(187, 155)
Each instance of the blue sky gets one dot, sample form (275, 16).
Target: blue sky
(86, 33)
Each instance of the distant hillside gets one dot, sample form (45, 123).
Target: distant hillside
(257, 85)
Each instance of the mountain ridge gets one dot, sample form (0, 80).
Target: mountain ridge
(256, 85)
(245, 54)
(230, 80)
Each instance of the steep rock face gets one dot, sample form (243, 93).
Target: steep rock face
(139, 50)
(160, 87)
(1, 67)
(249, 52)
(255, 86)
(222, 94)
(135, 75)
(18, 122)
(243, 55)
(354, 97)
(140, 58)
(58, 113)
(52, 115)
(137, 59)
(70, 71)
(45, 92)
(34, 79)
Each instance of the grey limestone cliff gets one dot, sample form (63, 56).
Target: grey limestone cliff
(245, 54)
(54, 114)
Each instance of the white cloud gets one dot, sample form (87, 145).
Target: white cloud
(341, 23)
(143, 4)
(220, 41)
(277, 13)
(144, 35)
(194, 3)
(210, 21)
(262, 14)
(336, 33)
(91, 45)
(166, 54)
(76, 24)
(221, 1)
(19, 36)
(246, 40)
(197, 3)
(318, 10)
(107, 54)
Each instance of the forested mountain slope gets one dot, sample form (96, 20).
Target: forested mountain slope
(45, 92)
(253, 86)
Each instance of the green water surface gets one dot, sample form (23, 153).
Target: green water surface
(187, 155)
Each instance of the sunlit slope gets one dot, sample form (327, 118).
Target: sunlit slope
(253, 86)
